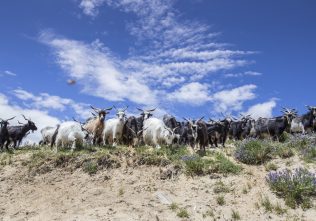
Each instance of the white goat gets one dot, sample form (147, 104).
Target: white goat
(113, 129)
(71, 133)
(156, 133)
(48, 135)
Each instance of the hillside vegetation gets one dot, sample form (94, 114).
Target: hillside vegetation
(248, 180)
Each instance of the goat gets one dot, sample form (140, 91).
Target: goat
(17, 133)
(4, 134)
(95, 125)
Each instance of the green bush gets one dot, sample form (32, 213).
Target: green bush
(253, 151)
(90, 167)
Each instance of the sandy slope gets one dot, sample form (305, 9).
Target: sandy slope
(130, 193)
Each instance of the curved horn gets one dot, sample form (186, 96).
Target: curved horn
(107, 109)
(200, 119)
(24, 117)
(125, 108)
(151, 110)
(95, 109)
(10, 118)
(20, 122)
(114, 107)
(140, 109)
(168, 129)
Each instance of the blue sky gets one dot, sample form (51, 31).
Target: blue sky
(189, 58)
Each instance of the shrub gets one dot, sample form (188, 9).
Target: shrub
(309, 154)
(220, 187)
(90, 167)
(235, 215)
(295, 186)
(173, 206)
(271, 166)
(220, 200)
(224, 165)
(195, 165)
(284, 152)
(253, 151)
(183, 213)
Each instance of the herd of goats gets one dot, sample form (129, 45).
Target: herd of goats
(148, 130)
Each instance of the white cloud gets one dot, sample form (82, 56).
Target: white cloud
(232, 100)
(193, 93)
(262, 110)
(96, 70)
(247, 73)
(52, 102)
(40, 118)
(8, 73)
(90, 7)
(170, 47)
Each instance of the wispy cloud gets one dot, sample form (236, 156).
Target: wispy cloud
(171, 59)
(247, 73)
(47, 102)
(8, 73)
(90, 7)
(97, 70)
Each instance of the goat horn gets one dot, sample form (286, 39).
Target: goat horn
(140, 109)
(151, 110)
(20, 122)
(200, 119)
(95, 109)
(114, 107)
(125, 108)
(110, 108)
(10, 118)
(24, 117)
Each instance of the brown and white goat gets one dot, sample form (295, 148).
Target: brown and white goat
(95, 125)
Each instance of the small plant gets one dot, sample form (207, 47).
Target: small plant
(224, 165)
(183, 213)
(90, 167)
(235, 215)
(271, 166)
(220, 187)
(208, 213)
(253, 151)
(245, 190)
(220, 200)
(121, 191)
(284, 152)
(174, 207)
(295, 186)
(195, 165)
(266, 203)
(279, 210)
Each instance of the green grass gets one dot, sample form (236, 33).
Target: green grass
(174, 207)
(220, 200)
(220, 187)
(235, 215)
(270, 167)
(270, 207)
(253, 152)
(183, 213)
(90, 167)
